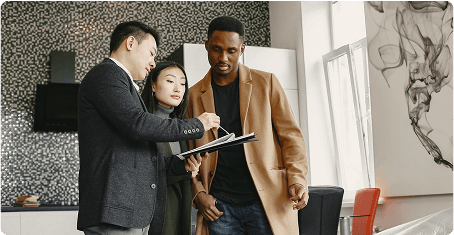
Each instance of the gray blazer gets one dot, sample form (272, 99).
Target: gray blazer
(122, 169)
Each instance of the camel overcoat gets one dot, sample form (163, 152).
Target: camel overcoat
(275, 162)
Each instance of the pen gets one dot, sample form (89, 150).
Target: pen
(224, 130)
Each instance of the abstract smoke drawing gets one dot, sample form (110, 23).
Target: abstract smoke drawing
(417, 35)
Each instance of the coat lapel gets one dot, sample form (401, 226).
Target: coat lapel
(245, 86)
(208, 98)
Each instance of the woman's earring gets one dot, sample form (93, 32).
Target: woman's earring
(152, 93)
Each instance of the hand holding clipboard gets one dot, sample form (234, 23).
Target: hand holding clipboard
(223, 142)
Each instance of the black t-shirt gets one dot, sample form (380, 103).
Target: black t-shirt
(232, 181)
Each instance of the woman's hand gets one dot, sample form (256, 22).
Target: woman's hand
(193, 164)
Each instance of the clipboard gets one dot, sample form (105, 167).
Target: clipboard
(223, 142)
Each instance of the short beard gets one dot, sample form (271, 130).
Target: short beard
(222, 74)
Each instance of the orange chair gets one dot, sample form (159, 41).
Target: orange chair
(366, 201)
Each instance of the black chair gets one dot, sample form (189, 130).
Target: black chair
(321, 215)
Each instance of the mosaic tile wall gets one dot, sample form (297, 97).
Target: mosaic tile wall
(47, 164)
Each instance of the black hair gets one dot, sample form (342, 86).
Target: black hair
(150, 100)
(226, 23)
(131, 28)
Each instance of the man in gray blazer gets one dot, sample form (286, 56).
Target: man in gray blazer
(122, 177)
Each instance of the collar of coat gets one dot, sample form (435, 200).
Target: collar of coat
(245, 91)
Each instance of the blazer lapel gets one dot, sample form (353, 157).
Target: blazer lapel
(208, 98)
(245, 87)
(140, 98)
(132, 89)
(136, 92)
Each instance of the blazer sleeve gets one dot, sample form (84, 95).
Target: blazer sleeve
(110, 93)
(290, 137)
(197, 185)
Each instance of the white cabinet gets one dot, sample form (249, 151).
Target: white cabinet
(11, 223)
(281, 62)
(194, 59)
(40, 223)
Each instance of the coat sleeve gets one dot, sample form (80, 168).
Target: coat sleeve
(175, 167)
(289, 135)
(110, 94)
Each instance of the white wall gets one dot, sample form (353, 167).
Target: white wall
(289, 36)
(311, 40)
(293, 25)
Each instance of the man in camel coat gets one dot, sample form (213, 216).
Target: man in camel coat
(255, 188)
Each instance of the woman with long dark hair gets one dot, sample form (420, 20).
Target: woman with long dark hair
(166, 95)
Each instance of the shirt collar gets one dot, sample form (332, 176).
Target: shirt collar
(126, 70)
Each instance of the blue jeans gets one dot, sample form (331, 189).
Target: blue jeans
(239, 219)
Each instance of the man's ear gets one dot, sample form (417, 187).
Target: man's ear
(129, 42)
(242, 48)
(206, 45)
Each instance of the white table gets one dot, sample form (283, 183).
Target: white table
(439, 223)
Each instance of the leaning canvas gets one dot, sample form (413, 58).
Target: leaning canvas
(410, 72)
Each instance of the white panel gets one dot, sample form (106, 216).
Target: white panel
(196, 63)
(281, 62)
(292, 96)
(11, 223)
(49, 223)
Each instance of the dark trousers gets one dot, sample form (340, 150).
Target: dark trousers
(109, 229)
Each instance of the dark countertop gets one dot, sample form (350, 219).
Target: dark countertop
(43, 207)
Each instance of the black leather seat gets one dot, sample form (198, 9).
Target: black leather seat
(321, 215)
